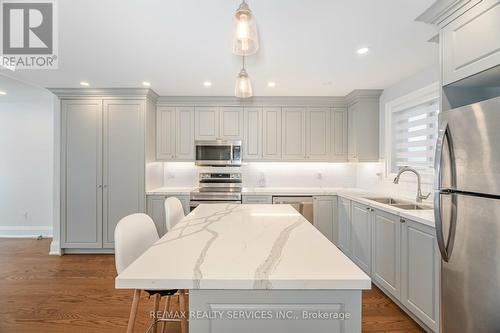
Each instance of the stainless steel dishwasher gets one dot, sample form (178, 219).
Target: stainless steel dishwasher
(304, 205)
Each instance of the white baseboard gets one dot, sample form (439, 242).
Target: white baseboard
(25, 231)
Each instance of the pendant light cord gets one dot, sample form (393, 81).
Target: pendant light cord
(243, 60)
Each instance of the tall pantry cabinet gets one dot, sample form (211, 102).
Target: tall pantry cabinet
(103, 157)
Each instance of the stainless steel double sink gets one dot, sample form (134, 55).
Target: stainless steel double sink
(406, 205)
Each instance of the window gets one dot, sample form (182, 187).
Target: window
(413, 130)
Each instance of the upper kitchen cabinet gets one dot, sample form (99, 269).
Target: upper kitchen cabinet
(174, 133)
(363, 125)
(214, 123)
(471, 43)
(318, 131)
(206, 123)
(339, 134)
(469, 37)
(293, 133)
(252, 138)
(271, 133)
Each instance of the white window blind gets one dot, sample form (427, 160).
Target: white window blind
(414, 132)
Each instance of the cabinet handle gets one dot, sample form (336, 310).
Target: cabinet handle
(402, 220)
(372, 210)
(368, 208)
(99, 186)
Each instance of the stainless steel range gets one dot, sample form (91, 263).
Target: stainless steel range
(217, 187)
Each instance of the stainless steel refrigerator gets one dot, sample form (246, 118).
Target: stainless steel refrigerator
(467, 215)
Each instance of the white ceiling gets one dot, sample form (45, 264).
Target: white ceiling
(307, 47)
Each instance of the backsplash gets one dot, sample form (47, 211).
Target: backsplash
(369, 176)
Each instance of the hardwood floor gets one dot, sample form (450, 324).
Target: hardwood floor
(75, 293)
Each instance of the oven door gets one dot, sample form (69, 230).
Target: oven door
(218, 153)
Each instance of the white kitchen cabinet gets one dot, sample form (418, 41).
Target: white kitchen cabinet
(339, 135)
(361, 225)
(184, 135)
(214, 123)
(123, 163)
(81, 173)
(325, 210)
(102, 168)
(165, 133)
(174, 133)
(293, 133)
(207, 123)
(252, 138)
(318, 134)
(344, 225)
(386, 254)
(231, 123)
(156, 209)
(471, 44)
(257, 199)
(420, 264)
(271, 133)
(363, 128)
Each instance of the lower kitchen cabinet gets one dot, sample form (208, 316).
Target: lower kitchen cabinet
(257, 199)
(324, 211)
(361, 226)
(155, 208)
(386, 255)
(420, 264)
(344, 226)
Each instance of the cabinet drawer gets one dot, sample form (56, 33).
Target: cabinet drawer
(257, 199)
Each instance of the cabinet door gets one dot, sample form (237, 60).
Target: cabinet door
(81, 174)
(344, 226)
(156, 210)
(206, 123)
(124, 163)
(184, 139)
(165, 133)
(293, 133)
(420, 272)
(325, 209)
(471, 44)
(339, 134)
(318, 134)
(386, 268)
(231, 123)
(252, 143)
(352, 144)
(361, 236)
(271, 134)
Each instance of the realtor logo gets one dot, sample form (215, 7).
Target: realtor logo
(28, 34)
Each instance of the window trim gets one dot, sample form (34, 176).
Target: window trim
(420, 96)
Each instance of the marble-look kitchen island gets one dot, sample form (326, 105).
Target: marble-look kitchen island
(253, 268)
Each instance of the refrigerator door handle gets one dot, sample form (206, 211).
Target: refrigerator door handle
(445, 247)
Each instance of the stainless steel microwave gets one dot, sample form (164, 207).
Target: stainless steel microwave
(218, 153)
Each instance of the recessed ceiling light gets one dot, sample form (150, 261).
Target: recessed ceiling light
(84, 84)
(271, 84)
(362, 50)
(327, 83)
(146, 84)
(2, 92)
(207, 84)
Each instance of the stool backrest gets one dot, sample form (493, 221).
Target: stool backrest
(173, 212)
(134, 234)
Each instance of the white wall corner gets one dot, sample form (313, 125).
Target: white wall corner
(55, 248)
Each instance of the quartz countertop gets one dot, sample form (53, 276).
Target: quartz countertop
(227, 246)
(355, 194)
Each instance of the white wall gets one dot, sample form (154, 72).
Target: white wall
(373, 175)
(268, 174)
(27, 160)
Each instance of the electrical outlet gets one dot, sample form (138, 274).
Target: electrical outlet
(25, 215)
(319, 176)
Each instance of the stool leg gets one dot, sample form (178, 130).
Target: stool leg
(157, 305)
(166, 312)
(133, 311)
(183, 309)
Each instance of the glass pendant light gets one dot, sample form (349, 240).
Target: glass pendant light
(246, 37)
(243, 88)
